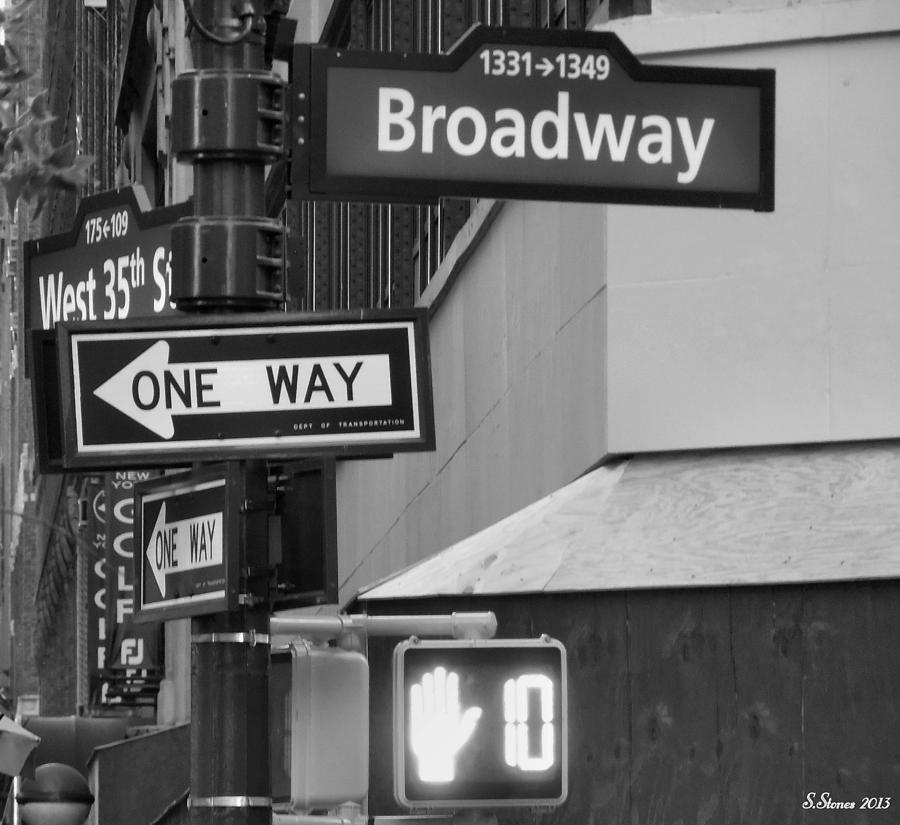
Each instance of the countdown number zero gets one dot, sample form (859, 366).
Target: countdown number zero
(517, 750)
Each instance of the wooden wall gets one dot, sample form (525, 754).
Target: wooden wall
(688, 707)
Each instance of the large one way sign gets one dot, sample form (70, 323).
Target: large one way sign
(173, 392)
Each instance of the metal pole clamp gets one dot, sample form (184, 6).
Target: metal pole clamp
(229, 802)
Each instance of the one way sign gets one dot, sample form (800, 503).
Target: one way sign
(172, 391)
(186, 529)
(183, 545)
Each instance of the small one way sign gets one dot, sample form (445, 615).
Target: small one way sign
(170, 392)
(185, 559)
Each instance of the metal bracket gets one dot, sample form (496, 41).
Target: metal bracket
(472, 625)
(248, 505)
(251, 637)
(229, 802)
(204, 104)
(234, 260)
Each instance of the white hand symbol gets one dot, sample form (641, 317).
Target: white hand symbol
(438, 727)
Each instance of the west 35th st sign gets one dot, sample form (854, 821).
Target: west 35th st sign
(170, 392)
(535, 114)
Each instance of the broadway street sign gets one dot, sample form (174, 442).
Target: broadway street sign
(533, 114)
(186, 551)
(170, 392)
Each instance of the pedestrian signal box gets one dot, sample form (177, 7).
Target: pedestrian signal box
(480, 723)
(329, 726)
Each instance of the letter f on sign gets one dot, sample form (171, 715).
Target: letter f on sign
(389, 118)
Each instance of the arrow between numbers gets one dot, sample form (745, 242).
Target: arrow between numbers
(183, 545)
(151, 391)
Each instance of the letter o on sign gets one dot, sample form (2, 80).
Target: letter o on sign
(145, 382)
(454, 138)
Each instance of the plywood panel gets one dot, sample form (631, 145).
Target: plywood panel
(851, 693)
(762, 752)
(600, 753)
(784, 515)
(682, 706)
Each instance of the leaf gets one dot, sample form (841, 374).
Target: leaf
(11, 53)
(17, 13)
(73, 176)
(39, 109)
(37, 185)
(15, 74)
(13, 186)
(58, 158)
(24, 140)
(39, 207)
(30, 138)
(13, 143)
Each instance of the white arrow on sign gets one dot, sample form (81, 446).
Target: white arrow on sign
(151, 391)
(184, 545)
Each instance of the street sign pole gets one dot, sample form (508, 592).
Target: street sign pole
(228, 122)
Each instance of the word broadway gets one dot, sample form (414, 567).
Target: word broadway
(406, 125)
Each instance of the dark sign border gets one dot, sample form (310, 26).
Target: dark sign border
(179, 455)
(311, 95)
(231, 505)
(45, 402)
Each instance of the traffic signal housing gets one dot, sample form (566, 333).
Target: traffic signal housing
(329, 726)
(480, 723)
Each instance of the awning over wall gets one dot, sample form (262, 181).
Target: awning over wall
(731, 517)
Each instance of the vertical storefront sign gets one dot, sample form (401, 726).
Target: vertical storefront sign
(132, 651)
(94, 491)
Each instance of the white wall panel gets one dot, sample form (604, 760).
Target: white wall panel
(740, 328)
(518, 362)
